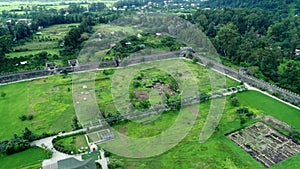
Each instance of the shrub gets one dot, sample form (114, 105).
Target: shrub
(108, 72)
(23, 117)
(30, 117)
(3, 94)
(234, 102)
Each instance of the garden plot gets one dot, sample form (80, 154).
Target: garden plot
(265, 144)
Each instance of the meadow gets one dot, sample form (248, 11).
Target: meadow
(48, 100)
(29, 159)
(200, 73)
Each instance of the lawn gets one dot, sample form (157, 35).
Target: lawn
(271, 107)
(49, 100)
(76, 143)
(29, 159)
(218, 151)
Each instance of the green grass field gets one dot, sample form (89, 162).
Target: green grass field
(271, 107)
(29, 159)
(103, 86)
(218, 151)
(48, 100)
(76, 143)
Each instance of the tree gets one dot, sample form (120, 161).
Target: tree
(22, 30)
(289, 75)
(75, 125)
(5, 43)
(28, 135)
(228, 39)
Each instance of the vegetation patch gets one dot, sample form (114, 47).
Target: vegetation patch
(74, 144)
(47, 100)
(153, 86)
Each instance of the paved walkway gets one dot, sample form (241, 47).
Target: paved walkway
(56, 156)
(103, 161)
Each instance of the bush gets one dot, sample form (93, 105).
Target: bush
(3, 94)
(18, 143)
(234, 102)
(55, 56)
(245, 111)
(23, 117)
(30, 117)
(108, 72)
(195, 59)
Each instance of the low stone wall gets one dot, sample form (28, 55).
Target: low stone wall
(283, 93)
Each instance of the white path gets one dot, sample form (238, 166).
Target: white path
(103, 160)
(56, 156)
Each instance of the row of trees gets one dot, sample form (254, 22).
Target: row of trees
(17, 143)
(282, 6)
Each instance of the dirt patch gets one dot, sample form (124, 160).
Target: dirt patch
(163, 88)
(141, 95)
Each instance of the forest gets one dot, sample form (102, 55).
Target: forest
(266, 43)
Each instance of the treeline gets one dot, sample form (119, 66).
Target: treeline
(281, 6)
(129, 3)
(37, 61)
(263, 42)
(19, 143)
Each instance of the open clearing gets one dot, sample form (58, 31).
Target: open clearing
(271, 107)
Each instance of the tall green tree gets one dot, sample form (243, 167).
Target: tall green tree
(228, 39)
